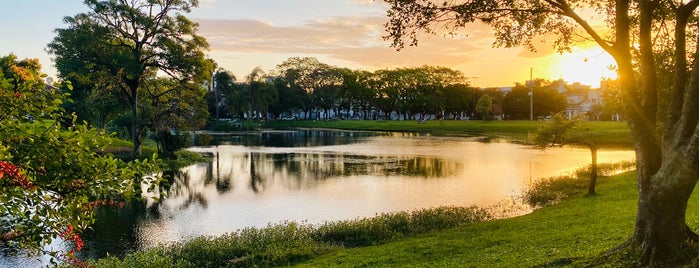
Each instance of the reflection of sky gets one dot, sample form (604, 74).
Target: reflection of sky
(325, 183)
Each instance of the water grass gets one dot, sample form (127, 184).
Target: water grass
(290, 243)
(552, 190)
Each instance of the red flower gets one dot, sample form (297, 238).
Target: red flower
(14, 176)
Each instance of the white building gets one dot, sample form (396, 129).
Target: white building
(581, 99)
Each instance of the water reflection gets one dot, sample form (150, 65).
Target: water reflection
(316, 176)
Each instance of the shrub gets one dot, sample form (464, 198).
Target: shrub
(555, 189)
(392, 226)
(204, 139)
(288, 243)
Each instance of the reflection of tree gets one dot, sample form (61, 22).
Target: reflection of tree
(113, 231)
(424, 167)
(300, 171)
(256, 181)
(181, 187)
(298, 138)
(223, 183)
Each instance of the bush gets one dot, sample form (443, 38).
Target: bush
(555, 189)
(233, 125)
(288, 243)
(204, 139)
(392, 226)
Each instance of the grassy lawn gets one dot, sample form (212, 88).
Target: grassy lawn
(576, 231)
(607, 134)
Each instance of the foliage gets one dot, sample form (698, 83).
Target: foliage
(182, 158)
(167, 105)
(558, 131)
(546, 100)
(51, 174)
(393, 226)
(613, 107)
(120, 44)
(289, 243)
(484, 107)
(553, 190)
(457, 99)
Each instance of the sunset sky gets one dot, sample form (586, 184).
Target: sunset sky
(345, 33)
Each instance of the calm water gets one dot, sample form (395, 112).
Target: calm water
(315, 176)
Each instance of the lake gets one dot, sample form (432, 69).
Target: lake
(313, 176)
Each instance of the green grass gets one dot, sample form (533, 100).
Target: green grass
(607, 134)
(577, 229)
(574, 232)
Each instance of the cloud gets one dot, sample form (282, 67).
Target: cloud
(356, 40)
(365, 2)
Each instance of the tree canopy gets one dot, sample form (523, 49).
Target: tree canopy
(53, 171)
(119, 44)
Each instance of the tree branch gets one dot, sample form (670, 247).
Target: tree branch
(568, 11)
(678, 108)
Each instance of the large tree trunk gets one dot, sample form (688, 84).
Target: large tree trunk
(660, 224)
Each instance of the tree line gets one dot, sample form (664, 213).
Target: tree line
(306, 88)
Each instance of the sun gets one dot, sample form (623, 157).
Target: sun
(585, 65)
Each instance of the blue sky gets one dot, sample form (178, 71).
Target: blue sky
(245, 34)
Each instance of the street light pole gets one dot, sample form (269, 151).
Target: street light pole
(214, 89)
(531, 94)
(474, 93)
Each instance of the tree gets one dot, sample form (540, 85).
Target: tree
(546, 100)
(560, 131)
(363, 92)
(124, 42)
(287, 102)
(457, 99)
(387, 90)
(611, 95)
(223, 85)
(666, 134)
(484, 107)
(167, 104)
(305, 76)
(261, 94)
(53, 171)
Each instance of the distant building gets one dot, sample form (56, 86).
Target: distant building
(581, 99)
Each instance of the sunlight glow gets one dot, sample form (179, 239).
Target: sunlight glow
(585, 65)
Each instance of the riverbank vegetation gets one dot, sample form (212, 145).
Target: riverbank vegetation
(575, 230)
(607, 134)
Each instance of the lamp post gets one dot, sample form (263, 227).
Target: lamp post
(215, 91)
(474, 93)
(531, 94)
